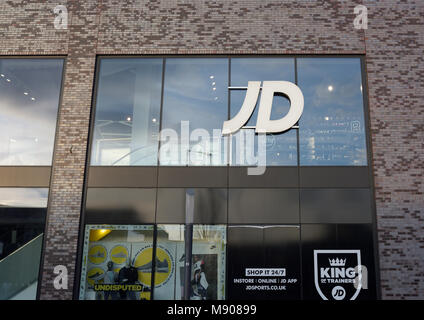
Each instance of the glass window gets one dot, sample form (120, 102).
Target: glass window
(196, 91)
(117, 262)
(22, 218)
(332, 128)
(169, 269)
(281, 149)
(127, 112)
(29, 100)
(207, 280)
(195, 106)
(208, 262)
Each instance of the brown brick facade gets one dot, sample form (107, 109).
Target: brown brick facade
(393, 45)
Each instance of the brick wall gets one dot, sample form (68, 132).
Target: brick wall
(393, 45)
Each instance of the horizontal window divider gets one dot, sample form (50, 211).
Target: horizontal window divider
(267, 226)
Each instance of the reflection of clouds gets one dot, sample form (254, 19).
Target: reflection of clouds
(24, 197)
(262, 69)
(343, 94)
(201, 115)
(192, 80)
(344, 75)
(43, 111)
(129, 82)
(188, 93)
(28, 127)
(27, 136)
(333, 101)
(112, 66)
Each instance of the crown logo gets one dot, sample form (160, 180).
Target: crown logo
(337, 262)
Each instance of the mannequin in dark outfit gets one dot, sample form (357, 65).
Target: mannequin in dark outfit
(128, 275)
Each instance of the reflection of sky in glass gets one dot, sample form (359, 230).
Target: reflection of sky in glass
(281, 148)
(332, 125)
(24, 197)
(127, 112)
(29, 99)
(195, 90)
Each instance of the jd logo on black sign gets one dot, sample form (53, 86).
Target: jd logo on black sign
(338, 274)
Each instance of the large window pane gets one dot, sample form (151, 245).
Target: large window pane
(22, 218)
(196, 91)
(29, 100)
(207, 280)
(169, 273)
(332, 128)
(127, 112)
(117, 262)
(281, 149)
(208, 262)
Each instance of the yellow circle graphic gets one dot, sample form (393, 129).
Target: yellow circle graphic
(97, 254)
(163, 267)
(95, 275)
(119, 254)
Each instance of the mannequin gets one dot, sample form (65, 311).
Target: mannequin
(128, 275)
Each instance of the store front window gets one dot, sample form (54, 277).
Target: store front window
(196, 96)
(22, 218)
(29, 92)
(127, 112)
(281, 148)
(332, 128)
(170, 112)
(118, 262)
(215, 233)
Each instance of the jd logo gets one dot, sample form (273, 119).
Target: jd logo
(264, 124)
(336, 273)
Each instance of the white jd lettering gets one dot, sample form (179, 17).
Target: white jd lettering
(264, 124)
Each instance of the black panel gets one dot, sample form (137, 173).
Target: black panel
(120, 206)
(337, 237)
(122, 177)
(263, 206)
(281, 177)
(334, 177)
(245, 250)
(282, 249)
(210, 205)
(186, 177)
(263, 248)
(335, 206)
(22, 215)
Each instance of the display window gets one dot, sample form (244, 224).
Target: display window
(207, 280)
(118, 262)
